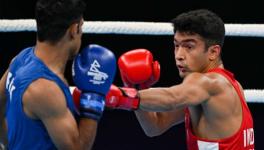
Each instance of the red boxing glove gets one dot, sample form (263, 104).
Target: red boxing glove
(76, 94)
(138, 69)
(122, 98)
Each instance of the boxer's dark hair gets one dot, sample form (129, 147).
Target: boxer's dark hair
(53, 17)
(203, 22)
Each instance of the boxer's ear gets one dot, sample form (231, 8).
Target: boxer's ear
(74, 30)
(214, 52)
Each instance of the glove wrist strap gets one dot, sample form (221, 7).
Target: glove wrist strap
(92, 106)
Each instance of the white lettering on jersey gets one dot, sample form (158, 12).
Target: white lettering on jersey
(9, 85)
(98, 76)
(248, 137)
(202, 145)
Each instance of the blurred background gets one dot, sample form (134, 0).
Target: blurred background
(118, 129)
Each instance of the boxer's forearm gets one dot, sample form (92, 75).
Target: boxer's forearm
(159, 99)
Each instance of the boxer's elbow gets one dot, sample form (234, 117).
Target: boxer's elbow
(152, 132)
(154, 129)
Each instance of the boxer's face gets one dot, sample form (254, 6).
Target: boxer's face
(190, 53)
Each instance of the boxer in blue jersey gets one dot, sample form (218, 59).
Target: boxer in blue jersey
(37, 109)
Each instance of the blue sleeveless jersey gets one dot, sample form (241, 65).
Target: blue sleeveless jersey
(25, 133)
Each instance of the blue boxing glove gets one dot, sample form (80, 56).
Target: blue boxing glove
(93, 73)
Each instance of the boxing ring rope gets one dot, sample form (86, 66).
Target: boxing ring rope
(144, 28)
(251, 95)
(134, 28)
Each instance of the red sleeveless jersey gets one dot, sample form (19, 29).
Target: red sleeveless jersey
(243, 139)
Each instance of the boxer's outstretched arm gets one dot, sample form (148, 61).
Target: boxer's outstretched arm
(3, 134)
(168, 104)
(194, 90)
(44, 100)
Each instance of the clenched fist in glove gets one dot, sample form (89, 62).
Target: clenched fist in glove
(138, 69)
(93, 73)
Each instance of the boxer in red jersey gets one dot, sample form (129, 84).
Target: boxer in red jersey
(209, 100)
